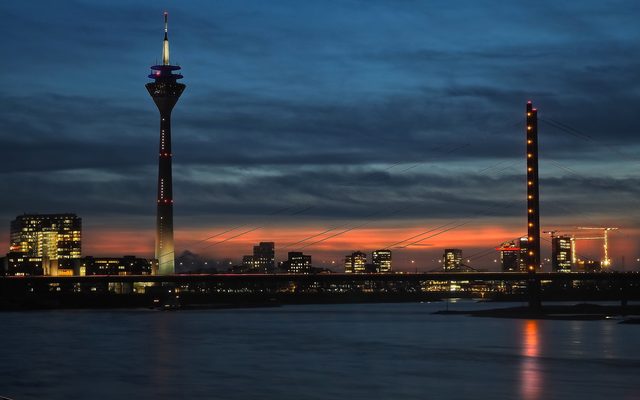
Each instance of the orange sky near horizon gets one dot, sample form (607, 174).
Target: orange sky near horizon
(472, 240)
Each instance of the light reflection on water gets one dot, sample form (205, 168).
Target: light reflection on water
(531, 374)
(367, 351)
(162, 354)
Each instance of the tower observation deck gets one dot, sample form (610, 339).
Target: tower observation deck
(165, 91)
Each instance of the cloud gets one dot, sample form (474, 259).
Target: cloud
(352, 108)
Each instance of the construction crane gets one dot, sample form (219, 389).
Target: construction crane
(605, 236)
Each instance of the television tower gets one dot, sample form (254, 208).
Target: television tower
(165, 91)
(533, 193)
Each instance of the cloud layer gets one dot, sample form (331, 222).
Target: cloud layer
(408, 111)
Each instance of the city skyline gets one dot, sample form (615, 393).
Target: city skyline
(385, 142)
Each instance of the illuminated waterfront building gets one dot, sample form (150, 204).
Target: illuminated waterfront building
(355, 263)
(52, 240)
(19, 264)
(165, 91)
(297, 263)
(127, 265)
(561, 251)
(452, 258)
(381, 259)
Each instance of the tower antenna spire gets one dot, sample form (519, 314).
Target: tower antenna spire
(165, 43)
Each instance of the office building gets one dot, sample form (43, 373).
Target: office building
(561, 252)
(127, 265)
(355, 263)
(452, 259)
(523, 243)
(19, 264)
(54, 241)
(297, 263)
(381, 259)
(263, 259)
(510, 256)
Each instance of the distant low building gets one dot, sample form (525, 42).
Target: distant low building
(127, 265)
(189, 262)
(589, 266)
(297, 263)
(20, 264)
(247, 263)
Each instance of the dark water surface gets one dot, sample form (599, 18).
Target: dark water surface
(353, 351)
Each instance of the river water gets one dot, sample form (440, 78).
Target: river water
(350, 351)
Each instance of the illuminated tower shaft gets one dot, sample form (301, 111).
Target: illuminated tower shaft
(533, 194)
(165, 92)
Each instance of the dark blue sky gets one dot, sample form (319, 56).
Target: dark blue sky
(408, 110)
